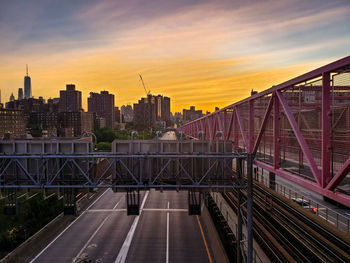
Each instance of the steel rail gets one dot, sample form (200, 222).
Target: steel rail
(326, 245)
(273, 247)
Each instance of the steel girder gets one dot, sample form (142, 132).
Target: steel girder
(204, 172)
(313, 136)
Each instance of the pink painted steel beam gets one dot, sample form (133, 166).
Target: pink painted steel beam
(225, 125)
(214, 123)
(326, 130)
(263, 125)
(305, 149)
(339, 176)
(340, 117)
(235, 131)
(276, 132)
(251, 125)
(240, 124)
(230, 126)
(219, 122)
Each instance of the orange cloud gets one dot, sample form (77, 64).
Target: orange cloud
(205, 55)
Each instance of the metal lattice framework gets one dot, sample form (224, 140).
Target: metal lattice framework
(299, 130)
(203, 172)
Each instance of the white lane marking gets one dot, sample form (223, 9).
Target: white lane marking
(165, 209)
(144, 210)
(127, 242)
(167, 236)
(42, 251)
(116, 205)
(92, 236)
(106, 210)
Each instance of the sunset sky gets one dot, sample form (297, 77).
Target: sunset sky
(202, 53)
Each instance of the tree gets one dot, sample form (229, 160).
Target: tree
(105, 135)
(104, 146)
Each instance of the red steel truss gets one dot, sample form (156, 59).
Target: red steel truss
(299, 130)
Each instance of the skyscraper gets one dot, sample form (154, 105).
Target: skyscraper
(70, 99)
(27, 86)
(148, 111)
(20, 94)
(12, 98)
(103, 106)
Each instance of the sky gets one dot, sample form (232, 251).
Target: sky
(202, 53)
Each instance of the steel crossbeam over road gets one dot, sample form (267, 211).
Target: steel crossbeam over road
(205, 172)
(132, 166)
(299, 130)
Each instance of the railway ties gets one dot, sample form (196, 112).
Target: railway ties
(286, 233)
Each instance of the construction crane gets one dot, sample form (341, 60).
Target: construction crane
(143, 84)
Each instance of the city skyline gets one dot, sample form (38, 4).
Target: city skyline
(199, 53)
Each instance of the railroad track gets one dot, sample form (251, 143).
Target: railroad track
(262, 231)
(287, 234)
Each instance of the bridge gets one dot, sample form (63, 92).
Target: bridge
(298, 130)
(133, 167)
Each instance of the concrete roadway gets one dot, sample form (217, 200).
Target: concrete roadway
(104, 233)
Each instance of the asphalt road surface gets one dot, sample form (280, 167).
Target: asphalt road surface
(164, 232)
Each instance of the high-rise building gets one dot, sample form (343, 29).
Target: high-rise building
(70, 99)
(128, 113)
(102, 105)
(165, 109)
(118, 117)
(74, 124)
(148, 111)
(20, 94)
(191, 114)
(12, 122)
(27, 86)
(12, 98)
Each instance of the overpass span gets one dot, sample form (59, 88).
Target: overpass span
(136, 165)
(132, 166)
(298, 130)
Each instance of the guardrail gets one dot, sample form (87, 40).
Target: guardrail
(329, 215)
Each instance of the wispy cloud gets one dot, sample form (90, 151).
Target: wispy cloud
(198, 52)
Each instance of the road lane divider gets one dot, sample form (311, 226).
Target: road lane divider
(89, 240)
(204, 240)
(167, 235)
(116, 204)
(75, 220)
(127, 242)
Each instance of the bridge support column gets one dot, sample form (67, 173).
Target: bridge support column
(250, 207)
(133, 202)
(194, 202)
(69, 201)
(239, 170)
(272, 181)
